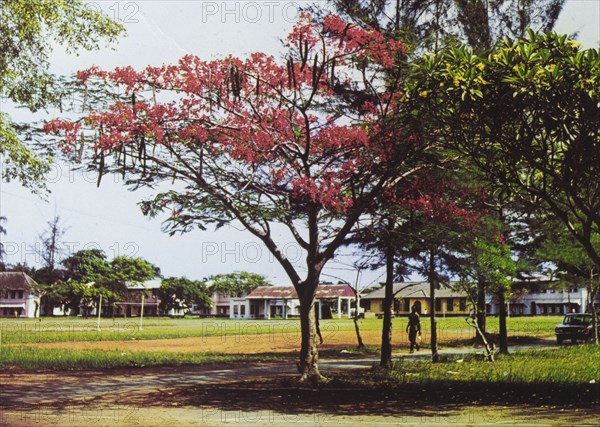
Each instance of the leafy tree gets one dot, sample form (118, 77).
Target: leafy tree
(125, 269)
(90, 274)
(573, 264)
(61, 294)
(479, 23)
(179, 293)
(237, 284)
(84, 270)
(309, 141)
(28, 30)
(526, 117)
(382, 242)
(445, 206)
(87, 265)
(490, 263)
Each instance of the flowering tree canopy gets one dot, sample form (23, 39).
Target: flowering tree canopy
(309, 142)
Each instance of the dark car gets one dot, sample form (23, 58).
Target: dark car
(575, 327)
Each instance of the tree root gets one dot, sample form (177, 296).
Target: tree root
(313, 379)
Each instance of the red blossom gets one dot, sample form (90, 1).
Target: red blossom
(263, 112)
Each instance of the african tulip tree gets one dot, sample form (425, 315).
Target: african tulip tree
(309, 142)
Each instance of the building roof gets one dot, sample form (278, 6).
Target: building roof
(531, 278)
(148, 284)
(414, 290)
(16, 280)
(288, 292)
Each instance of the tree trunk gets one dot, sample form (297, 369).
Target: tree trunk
(309, 354)
(435, 357)
(360, 344)
(386, 331)
(480, 312)
(503, 339)
(595, 323)
(489, 348)
(359, 339)
(592, 291)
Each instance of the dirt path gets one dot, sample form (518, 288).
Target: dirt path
(248, 343)
(199, 396)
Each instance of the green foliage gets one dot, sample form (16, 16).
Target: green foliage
(125, 269)
(28, 29)
(492, 263)
(480, 24)
(237, 284)
(20, 162)
(180, 293)
(89, 275)
(526, 117)
(88, 265)
(561, 249)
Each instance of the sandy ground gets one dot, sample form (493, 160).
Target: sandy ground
(188, 396)
(248, 343)
(171, 396)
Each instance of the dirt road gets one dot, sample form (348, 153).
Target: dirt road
(199, 396)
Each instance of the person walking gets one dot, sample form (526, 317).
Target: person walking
(414, 328)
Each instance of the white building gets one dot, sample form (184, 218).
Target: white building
(140, 296)
(221, 305)
(267, 302)
(532, 297)
(17, 295)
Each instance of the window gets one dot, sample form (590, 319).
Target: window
(438, 304)
(463, 304)
(13, 294)
(235, 310)
(20, 294)
(406, 304)
(243, 310)
(450, 304)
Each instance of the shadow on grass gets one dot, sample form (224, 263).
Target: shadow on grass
(346, 395)
(512, 341)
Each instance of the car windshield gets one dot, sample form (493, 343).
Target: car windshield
(581, 319)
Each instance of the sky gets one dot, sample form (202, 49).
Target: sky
(108, 217)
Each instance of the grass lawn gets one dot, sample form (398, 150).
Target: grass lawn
(59, 329)
(75, 343)
(564, 380)
(578, 364)
(27, 357)
(558, 376)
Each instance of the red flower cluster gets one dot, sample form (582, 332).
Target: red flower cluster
(261, 112)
